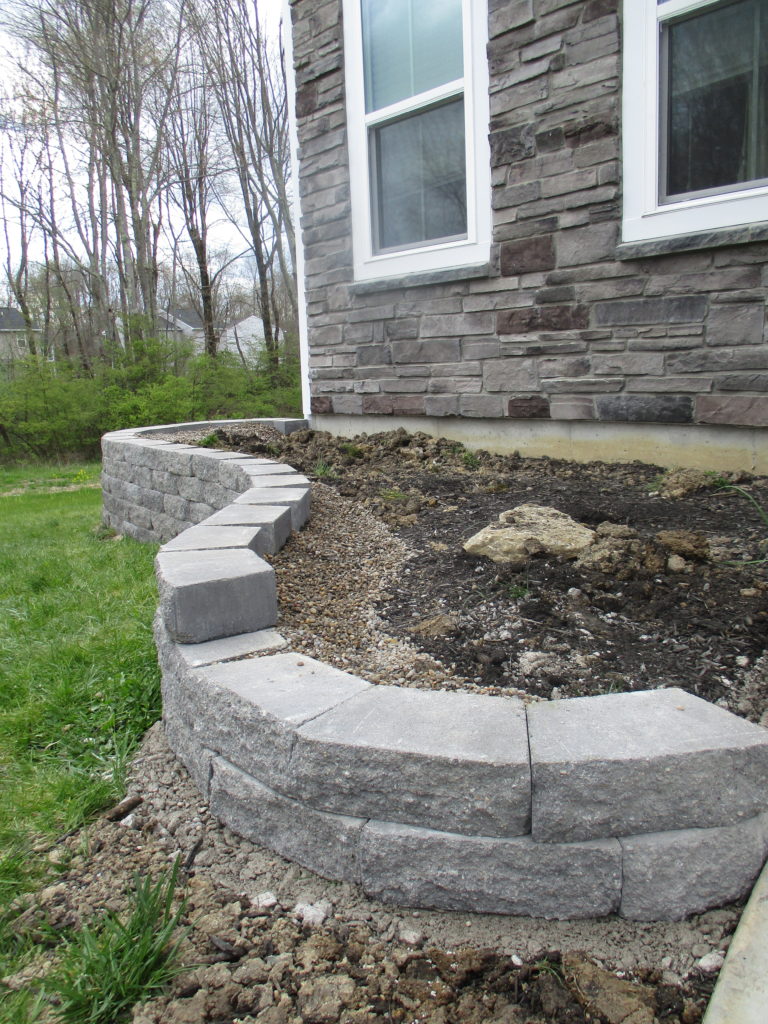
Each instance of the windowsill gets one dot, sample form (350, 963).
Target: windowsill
(416, 280)
(690, 243)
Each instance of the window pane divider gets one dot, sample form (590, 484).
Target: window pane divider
(415, 103)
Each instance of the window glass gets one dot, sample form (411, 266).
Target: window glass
(419, 188)
(409, 47)
(717, 98)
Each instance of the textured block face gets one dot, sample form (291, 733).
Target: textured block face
(420, 868)
(273, 521)
(195, 757)
(450, 761)
(296, 498)
(325, 843)
(202, 538)
(642, 762)
(205, 595)
(249, 710)
(669, 875)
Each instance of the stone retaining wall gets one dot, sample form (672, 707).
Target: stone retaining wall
(651, 804)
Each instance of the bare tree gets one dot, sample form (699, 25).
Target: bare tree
(249, 83)
(14, 208)
(106, 66)
(194, 165)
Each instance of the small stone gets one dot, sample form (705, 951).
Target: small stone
(410, 936)
(265, 901)
(312, 914)
(711, 962)
(700, 949)
(676, 564)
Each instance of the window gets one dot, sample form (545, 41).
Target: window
(695, 116)
(417, 110)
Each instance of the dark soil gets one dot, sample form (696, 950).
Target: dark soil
(555, 628)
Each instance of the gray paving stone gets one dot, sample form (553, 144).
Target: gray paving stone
(205, 595)
(238, 474)
(231, 648)
(325, 843)
(206, 537)
(251, 709)
(274, 522)
(669, 875)
(452, 761)
(297, 498)
(630, 763)
(421, 868)
(275, 480)
(258, 467)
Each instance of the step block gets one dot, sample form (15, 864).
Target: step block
(274, 523)
(298, 499)
(211, 538)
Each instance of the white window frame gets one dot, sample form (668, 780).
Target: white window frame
(645, 218)
(475, 248)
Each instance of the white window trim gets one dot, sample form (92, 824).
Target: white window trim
(645, 218)
(469, 251)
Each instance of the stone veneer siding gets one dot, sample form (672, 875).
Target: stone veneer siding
(564, 324)
(651, 804)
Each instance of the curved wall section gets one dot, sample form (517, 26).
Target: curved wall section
(653, 805)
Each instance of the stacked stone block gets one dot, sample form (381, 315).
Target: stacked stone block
(153, 489)
(565, 323)
(653, 805)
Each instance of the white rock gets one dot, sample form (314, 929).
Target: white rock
(676, 564)
(312, 914)
(711, 962)
(265, 900)
(410, 936)
(529, 530)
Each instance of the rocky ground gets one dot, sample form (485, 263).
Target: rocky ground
(378, 583)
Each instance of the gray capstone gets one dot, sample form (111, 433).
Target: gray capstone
(650, 761)
(209, 594)
(249, 710)
(298, 499)
(274, 522)
(452, 761)
(207, 537)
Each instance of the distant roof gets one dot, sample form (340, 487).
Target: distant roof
(187, 316)
(11, 319)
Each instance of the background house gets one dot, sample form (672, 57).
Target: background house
(14, 335)
(182, 323)
(245, 338)
(517, 236)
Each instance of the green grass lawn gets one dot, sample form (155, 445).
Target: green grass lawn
(79, 682)
(26, 477)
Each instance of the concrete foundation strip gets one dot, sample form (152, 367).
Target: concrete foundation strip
(651, 804)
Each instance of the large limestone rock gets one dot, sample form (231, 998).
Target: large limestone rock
(530, 530)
